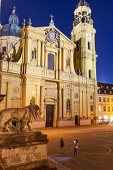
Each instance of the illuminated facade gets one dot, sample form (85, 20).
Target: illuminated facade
(105, 103)
(58, 73)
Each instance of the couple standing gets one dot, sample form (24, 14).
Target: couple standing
(74, 148)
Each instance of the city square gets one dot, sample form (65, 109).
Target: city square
(95, 147)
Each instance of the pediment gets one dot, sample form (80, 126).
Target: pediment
(50, 34)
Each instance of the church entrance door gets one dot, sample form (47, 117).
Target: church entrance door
(49, 115)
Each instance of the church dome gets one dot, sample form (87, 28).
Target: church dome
(13, 27)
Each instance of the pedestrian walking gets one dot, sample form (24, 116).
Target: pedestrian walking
(62, 144)
(75, 147)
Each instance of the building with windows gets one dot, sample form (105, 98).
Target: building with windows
(105, 102)
(57, 72)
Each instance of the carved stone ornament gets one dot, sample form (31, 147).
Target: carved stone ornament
(16, 90)
(52, 36)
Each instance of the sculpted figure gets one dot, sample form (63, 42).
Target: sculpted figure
(16, 119)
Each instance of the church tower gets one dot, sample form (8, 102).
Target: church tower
(83, 35)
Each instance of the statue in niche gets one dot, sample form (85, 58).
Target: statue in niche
(68, 104)
(5, 56)
(68, 62)
(34, 54)
(15, 119)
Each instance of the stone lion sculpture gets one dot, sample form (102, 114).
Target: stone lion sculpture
(15, 119)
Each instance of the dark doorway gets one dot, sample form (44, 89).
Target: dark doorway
(49, 115)
(77, 120)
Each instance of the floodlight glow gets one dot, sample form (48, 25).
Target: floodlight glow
(111, 119)
(100, 119)
(105, 117)
(33, 92)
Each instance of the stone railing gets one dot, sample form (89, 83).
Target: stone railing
(8, 66)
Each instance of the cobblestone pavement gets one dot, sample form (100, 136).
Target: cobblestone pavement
(95, 147)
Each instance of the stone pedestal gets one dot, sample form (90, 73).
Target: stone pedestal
(23, 151)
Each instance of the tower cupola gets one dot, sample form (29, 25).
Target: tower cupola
(13, 19)
(12, 28)
(82, 13)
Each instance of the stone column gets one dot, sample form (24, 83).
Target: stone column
(84, 101)
(59, 63)
(55, 115)
(95, 102)
(46, 59)
(64, 103)
(63, 63)
(23, 92)
(72, 102)
(39, 53)
(38, 95)
(56, 65)
(59, 104)
(88, 101)
(42, 89)
(80, 103)
(7, 95)
(60, 60)
(83, 109)
(27, 49)
(43, 53)
(72, 63)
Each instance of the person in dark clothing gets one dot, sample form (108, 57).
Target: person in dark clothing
(62, 144)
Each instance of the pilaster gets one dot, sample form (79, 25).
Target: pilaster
(43, 53)
(42, 89)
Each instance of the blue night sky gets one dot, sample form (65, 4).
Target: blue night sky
(63, 10)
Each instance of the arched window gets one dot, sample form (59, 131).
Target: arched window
(89, 46)
(3, 50)
(50, 61)
(68, 104)
(89, 73)
(78, 46)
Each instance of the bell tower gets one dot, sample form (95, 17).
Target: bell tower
(83, 35)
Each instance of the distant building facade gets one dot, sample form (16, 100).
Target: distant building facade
(58, 73)
(105, 102)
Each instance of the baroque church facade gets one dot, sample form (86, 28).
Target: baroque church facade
(59, 73)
